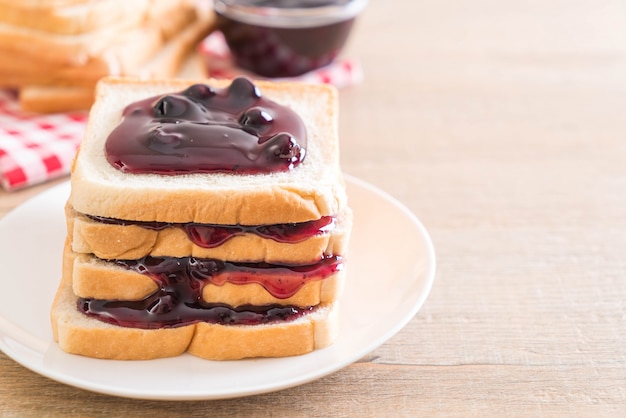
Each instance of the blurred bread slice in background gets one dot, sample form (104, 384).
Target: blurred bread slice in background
(56, 59)
(73, 17)
(168, 16)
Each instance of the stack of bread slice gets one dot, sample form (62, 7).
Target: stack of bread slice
(130, 235)
(54, 51)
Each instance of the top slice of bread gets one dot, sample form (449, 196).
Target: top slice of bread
(312, 189)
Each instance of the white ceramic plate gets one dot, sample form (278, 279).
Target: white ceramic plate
(391, 271)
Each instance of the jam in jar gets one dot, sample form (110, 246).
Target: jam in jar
(283, 38)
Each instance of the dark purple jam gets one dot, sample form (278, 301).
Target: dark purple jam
(206, 130)
(283, 52)
(178, 301)
(211, 236)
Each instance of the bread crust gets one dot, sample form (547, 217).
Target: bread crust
(53, 99)
(75, 50)
(129, 242)
(279, 340)
(123, 53)
(71, 18)
(66, 92)
(311, 190)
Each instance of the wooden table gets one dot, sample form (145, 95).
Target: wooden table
(502, 125)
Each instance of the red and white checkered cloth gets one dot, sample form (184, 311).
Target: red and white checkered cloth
(35, 148)
(342, 72)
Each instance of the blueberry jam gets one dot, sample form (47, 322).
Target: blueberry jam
(179, 301)
(278, 38)
(211, 236)
(283, 52)
(206, 130)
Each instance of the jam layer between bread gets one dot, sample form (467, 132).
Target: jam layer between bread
(212, 235)
(294, 243)
(178, 300)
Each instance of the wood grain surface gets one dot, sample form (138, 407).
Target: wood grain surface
(502, 126)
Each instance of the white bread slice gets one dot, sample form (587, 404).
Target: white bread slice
(72, 18)
(73, 50)
(168, 61)
(111, 241)
(78, 334)
(164, 64)
(53, 99)
(59, 49)
(313, 189)
(45, 3)
(116, 58)
(123, 53)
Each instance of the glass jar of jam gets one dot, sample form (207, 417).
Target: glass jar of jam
(284, 38)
